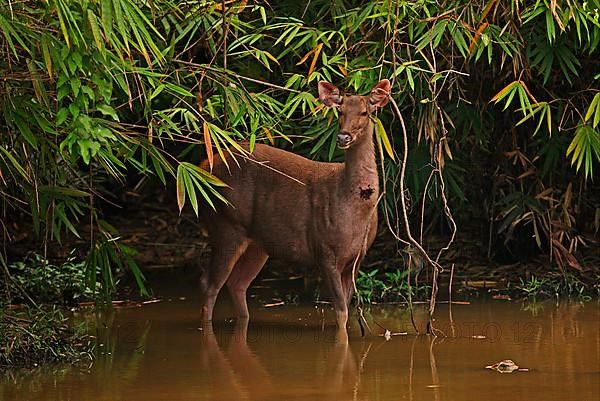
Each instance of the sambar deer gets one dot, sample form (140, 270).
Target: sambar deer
(302, 211)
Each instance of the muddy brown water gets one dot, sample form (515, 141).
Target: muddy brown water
(290, 352)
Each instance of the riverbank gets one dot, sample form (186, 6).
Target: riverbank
(166, 240)
(170, 248)
(36, 336)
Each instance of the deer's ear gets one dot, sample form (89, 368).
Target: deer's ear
(329, 94)
(380, 94)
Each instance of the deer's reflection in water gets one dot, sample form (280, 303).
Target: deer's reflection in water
(237, 372)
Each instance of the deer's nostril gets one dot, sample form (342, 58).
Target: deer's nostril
(344, 139)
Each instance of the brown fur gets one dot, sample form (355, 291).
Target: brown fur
(292, 208)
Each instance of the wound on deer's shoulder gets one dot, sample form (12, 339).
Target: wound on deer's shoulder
(365, 193)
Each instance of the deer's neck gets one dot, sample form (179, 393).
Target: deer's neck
(360, 168)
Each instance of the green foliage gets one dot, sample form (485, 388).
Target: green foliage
(191, 178)
(368, 286)
(94, 93)
(585, 147)
(392, 286)
(48, 283)
(107, 258)
(534, 286)
(567, 285)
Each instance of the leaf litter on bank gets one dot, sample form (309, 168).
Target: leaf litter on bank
(30, 337)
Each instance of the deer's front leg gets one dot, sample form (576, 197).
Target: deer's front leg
(333, 277)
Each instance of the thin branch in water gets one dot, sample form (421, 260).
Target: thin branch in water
(410, 302)
(450, 301)
(361, 366)
(411, 369)
(435, 265)
(435, 377)
(402, 200)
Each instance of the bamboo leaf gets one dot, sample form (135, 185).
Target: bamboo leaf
(47, 57)
(270, 56)
(63, 26)
(583, 148)
(594, 110)
(95, 30)
(26, 132)
(190, 189)
(180, 187)
(269, 136)
(205, 175)
(487, 9)
(16, 165)
(198, 183)
(208, 145)
(159, 170)
(179, 90)
(221, 153)
(314, 60)
(379, 146)
(107, 18)
(8, 32)
(306, 56)
(384, 137)
(503, 92)
(477, 36)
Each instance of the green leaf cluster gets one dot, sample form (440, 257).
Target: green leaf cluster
(96, 92)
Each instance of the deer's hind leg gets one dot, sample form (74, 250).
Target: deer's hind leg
(245, 270)
(228, 244)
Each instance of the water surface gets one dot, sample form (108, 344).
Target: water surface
(290, 352)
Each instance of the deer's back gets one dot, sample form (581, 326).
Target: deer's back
(279, 199)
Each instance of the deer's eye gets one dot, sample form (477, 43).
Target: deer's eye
(364, 113)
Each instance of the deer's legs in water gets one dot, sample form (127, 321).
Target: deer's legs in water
(333, 277)
(245, 270)
(228, 245)
(348, 281)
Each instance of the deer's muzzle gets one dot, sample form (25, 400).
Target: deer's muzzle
(344, 139)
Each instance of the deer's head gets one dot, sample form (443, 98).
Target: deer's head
(354, 111)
